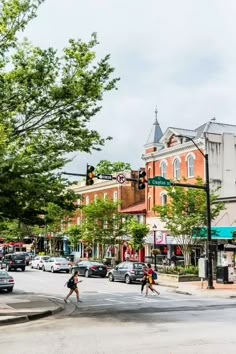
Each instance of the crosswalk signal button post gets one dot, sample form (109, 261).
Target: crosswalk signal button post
(89, 175)
(141, 179)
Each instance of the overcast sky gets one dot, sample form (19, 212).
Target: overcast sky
(177, 55)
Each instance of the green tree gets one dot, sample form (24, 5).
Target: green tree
(103, 224)
(74, 235)
(138, 232)
(47, 102)
(108, 167)
(185, 209)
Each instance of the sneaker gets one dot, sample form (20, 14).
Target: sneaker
(79, 301)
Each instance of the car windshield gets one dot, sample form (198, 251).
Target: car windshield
(138, 265)
(3, 273)
(45, 258)
(60, 259)
(18, 256)
(95, 263)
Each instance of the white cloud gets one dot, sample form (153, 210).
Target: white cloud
(178, 55)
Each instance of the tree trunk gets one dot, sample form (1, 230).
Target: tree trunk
(187, 257)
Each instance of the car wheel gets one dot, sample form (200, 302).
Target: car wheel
(103, 276)
(86, 274)
(110, 277)
(71, 270)
(127, 279)
(32, 266)
(38, 267)
(52, 270)
(23, 269)
(43, 268)
(9, 290)
(67, 271)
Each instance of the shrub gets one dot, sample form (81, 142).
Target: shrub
(180, 270)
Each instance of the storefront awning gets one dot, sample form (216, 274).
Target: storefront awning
(217, 232)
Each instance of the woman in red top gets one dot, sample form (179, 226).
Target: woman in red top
(150, 281)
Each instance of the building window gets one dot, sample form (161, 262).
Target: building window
(176, 167)
(115, 196)
(78, 220)
(105, 196)
(190, 165)
(87, 200)
(163, 199)
(163, 169)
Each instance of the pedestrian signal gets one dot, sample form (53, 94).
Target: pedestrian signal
(141, 179)
(89, 175)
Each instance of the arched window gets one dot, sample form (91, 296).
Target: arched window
(176, 168)
(163, 199)
(163, 169)
(190, 166)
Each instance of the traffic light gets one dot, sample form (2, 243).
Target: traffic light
(89, 175)
(141, 179)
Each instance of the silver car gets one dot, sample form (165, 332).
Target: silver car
(6, 281)
(56, 264)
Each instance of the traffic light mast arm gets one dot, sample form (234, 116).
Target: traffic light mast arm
(188, 185)
(84, 175)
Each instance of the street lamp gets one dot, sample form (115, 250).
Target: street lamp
(154, 229)
(208, 203)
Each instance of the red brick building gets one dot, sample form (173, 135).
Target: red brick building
(132, 202)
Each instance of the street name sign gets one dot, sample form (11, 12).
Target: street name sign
(103, 176)
(159, 181)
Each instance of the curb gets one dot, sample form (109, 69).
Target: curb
(167, 285)
(30, 317)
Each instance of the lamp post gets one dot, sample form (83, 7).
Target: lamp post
(154, 229)
(208, 205)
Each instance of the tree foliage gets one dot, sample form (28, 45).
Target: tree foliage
(47, 101)
(138, 232)
(103, 224)
(185, 209)
(108, 167)
(74, 234)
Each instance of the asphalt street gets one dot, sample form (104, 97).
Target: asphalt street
(114, 318)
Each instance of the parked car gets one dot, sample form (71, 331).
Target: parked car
(27, 257)
(127, 272)
(56, 264)
(13, 261)
(89, 269)
(38, 261)
(6, 281)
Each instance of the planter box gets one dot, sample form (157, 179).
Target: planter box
(177, 277)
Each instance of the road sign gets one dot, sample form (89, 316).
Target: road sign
(159, 181)
(103, 176)
(121, 178)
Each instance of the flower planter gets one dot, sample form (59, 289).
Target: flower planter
(177, 277)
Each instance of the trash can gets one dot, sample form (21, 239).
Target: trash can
(222, 274)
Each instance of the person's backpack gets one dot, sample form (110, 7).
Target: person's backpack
(154, 275)
(70, 283)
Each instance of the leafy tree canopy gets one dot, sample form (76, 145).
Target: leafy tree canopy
(138, 232)
(108, 167)
(46, 103)
(185, 209)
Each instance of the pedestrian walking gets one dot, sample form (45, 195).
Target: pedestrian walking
(144, 280)
(150, 280)
(72, 284)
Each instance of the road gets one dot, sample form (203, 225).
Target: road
(114, 318)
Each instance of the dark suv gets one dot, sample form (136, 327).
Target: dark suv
(127, 271)
(14, 261)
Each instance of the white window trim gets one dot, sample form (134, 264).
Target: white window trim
(161, 197)
(173, 162)
(187, 160)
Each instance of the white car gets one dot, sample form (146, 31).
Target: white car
(38, 261)
(56, 264)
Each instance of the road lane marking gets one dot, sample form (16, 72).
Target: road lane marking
(116, 301)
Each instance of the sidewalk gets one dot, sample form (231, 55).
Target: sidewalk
(195, 288)
(23, 308)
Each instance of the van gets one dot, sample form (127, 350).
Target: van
(13, 261)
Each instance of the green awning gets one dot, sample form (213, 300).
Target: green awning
(217, 232)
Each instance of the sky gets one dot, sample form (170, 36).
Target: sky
(177, 55)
